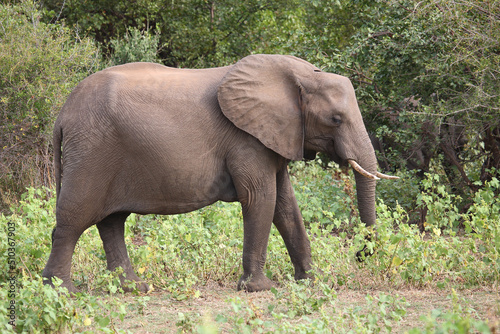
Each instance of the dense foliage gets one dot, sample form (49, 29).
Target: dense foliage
(427, 79)
(181, 254)
(40, 64)
(426, 72)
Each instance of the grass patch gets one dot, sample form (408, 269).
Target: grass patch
(443, 280)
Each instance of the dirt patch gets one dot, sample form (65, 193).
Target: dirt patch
(162, 314)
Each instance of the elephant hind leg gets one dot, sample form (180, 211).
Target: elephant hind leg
(288, 221)
(112, 232)
(64, 239)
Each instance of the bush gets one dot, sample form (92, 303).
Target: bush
(40, 64)
(30, 225)
(180, 253)
(135, 46)
(43, 309)
(325, 194)
(444, 253)
(426, 79)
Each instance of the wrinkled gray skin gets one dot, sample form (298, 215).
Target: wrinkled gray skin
(146, 138)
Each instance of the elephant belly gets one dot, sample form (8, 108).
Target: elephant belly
(177, 192)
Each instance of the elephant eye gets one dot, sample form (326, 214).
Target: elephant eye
(336, 120)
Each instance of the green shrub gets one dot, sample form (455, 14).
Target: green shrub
(178, 254)
(403, 192)
(443, 253)
(441, 204)
(135, 46)
(32, 222)
(180, 248)
(325, 195)
(40, 64)
(459, 320)
(43, 309)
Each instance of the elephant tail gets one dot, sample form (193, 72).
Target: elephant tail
(57, 141)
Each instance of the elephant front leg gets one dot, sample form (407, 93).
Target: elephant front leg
(288, 221)
(111, 229)
(258, 210)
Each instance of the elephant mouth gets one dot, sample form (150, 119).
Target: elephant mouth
(338, 160)
(357, 167)
(343, 163)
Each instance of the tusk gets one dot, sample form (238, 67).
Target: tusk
(361, 171)
(387, 177)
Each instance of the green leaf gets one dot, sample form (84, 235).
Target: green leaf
(396, 261)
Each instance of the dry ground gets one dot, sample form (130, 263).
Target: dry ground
(162, 313)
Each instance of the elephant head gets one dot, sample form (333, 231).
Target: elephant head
(294, 109)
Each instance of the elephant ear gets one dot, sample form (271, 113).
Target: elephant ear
(261, 95)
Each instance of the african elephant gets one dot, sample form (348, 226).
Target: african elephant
(146, 138)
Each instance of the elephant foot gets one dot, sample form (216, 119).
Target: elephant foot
(134, 285)
(65, 284)
(301, 275)
(363, 254)
(252, 283)
(132, 282)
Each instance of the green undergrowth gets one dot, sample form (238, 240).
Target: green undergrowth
(178, 255)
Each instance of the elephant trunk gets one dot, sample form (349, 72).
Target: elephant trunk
(365, 192)
(365, 173)
(365, 186)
